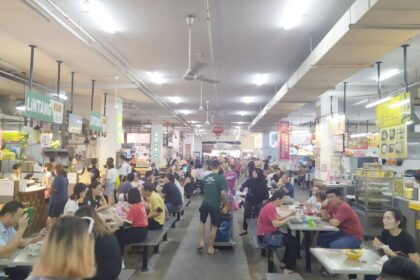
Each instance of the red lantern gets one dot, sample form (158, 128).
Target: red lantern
(217, 130)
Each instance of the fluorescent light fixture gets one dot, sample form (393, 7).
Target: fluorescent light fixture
(361, 102)
(260, 79)
(156, 77)
(358, 135)
(293, 14)
(248, 99)
(101, 16)
(175, 99)
(193, 122)
(388, 74)
(185, 112)
(21, 108)
(404, 102)
(377, 102)
(242, 113)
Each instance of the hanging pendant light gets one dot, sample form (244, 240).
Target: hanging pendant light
(201, 108)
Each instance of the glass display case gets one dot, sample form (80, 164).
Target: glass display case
(374, 188)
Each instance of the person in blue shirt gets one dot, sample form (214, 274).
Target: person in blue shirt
(285, 186)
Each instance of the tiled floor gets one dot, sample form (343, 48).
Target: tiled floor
(179, 259)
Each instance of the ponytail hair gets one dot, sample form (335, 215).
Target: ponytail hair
(277, 195)
(399, 217)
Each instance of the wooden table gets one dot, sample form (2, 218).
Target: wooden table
(335, 261)
(307, 233)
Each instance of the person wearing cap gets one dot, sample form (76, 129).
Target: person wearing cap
(214, 191)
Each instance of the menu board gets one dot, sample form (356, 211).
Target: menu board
(394, 112)
(138, 138)
(358, 143)
(393, 142)
(337, 125)
(284, 141)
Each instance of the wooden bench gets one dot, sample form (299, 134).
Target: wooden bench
(153, 239)
(275, 276)
(126, 274)
(180, 210)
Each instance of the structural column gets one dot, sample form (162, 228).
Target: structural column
(156, 143)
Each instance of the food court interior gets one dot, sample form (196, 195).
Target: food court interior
(289, 128)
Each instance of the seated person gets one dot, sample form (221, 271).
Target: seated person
(126, 186)
(107, 250)
(394, 239)
(171, 194)
(312, 201)
(276, 177)
(399, 268)
(155, 207)
(135, 225)
(339, 214)
(268, 222)
(95, 197)
(11, 216)
(285, 186)
(78, 196)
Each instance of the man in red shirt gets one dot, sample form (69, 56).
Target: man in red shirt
(339, 214)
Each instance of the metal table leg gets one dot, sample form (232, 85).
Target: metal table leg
(308, 261)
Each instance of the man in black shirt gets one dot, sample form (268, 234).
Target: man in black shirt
(171, 194)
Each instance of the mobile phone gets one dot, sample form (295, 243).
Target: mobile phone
(29, 213)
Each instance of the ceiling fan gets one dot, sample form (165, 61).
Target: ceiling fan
(191, 73)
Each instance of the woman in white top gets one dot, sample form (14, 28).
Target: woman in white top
(311, 202)
(79, 193)
(111, 178)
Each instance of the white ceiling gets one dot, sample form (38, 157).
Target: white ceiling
(153, 37)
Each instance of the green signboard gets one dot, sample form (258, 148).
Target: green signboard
(95, 121)
(43, 108)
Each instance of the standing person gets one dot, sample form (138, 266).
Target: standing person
(111, 178)
(94, 171)
(72, 165)
(67, 253)
(155, 170)
(276, 177)
(268, 222)
(47, 180)
(339, 214)
(59, 194)
(155, 206)
(231, 179)
(257, 193)
(251, 167)
(285, 186)
(238, 167)
(267, 163)
(171, 194)
(107, 250)
(135, 225)
(215, 187)
(125, 168)
(79, 193)
(95, 197)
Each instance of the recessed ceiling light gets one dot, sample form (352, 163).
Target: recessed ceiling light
(242, 113)
(248, 99)
(388, 74)
(260, 79)
(293, 14)
(185, 112)
(175, 99)
(156, 77)
(101, 16)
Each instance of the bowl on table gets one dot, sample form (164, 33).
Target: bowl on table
(354, 254)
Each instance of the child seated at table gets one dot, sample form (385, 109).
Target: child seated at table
(136, 223)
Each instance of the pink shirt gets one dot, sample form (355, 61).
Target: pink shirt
(137, 215)
(267, 214)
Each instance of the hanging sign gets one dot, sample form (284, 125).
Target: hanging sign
(103, 123)
(337, 125)
(394, 142)
(394, 112)
(284, 141)
(43, 108)
(95, 121)
(75, 124)
(46, 139)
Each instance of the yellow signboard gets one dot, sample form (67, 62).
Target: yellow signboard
(395, 111)
(394, 142)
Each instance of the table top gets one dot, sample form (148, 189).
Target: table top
(335, 261)
(20, 257)
(323, 226)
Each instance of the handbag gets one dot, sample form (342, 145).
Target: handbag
(273, 240)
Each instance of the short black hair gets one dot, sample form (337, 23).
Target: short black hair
(133, 196)
(215, 164)
(10, 207)
(77, 190)
(130, 177)
(16, 166)
(400, 268)
(148, 173)
(335, 191)
(148, 187)
(171, 177)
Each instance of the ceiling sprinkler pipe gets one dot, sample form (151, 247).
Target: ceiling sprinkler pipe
(378, 64)
(405, 66)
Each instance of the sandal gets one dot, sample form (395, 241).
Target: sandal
(243, 233)
(212, 252)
